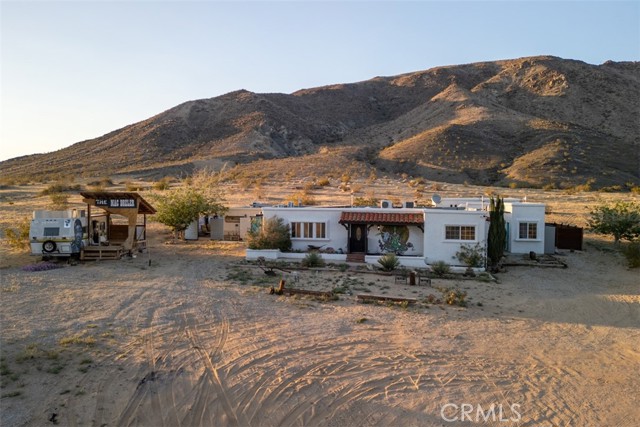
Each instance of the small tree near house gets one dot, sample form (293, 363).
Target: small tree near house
(180, 207)
(620, 220)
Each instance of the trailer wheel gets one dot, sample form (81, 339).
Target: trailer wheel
(49, 246)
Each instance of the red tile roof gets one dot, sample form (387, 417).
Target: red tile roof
(381, 218)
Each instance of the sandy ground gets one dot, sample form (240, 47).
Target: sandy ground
(194, 339)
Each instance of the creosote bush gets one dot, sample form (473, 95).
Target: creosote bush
(59, 201)
(18, 238)
(163, 184)
(60, 188)
(365, 201)
(471, 256)
(303, 198)
(313, 259)
(440, 268)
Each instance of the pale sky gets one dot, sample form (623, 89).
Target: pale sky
(76, 70)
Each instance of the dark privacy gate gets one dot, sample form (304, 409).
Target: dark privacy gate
(568, 236)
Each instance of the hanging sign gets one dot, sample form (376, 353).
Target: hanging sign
(117, 203)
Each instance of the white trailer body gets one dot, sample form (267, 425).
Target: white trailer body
(58, 233)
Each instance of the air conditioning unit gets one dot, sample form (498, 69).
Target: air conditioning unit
(408, 205)
(386, 204)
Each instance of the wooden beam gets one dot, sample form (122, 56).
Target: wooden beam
(367, 297)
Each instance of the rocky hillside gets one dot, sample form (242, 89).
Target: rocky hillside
(540, 121)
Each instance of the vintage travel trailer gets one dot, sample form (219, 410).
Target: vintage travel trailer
(418, 236)
(58, 233)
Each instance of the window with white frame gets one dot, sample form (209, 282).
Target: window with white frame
(528, 230)
(460, 232)
(308, 230)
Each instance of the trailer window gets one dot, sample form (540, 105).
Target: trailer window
(51, 231)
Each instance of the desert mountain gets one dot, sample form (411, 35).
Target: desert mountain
(533, 121)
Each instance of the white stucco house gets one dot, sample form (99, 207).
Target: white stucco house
(418, 236)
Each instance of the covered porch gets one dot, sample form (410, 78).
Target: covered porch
(372, 234)
(118, 224)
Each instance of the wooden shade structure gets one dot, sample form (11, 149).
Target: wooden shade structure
(126, 204)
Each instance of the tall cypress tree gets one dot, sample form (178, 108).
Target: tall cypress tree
(497, 231)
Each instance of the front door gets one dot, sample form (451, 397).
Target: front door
(358, 238)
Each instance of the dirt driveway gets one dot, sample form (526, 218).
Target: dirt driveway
(190, 340)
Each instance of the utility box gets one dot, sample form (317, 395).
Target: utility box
(191, 233)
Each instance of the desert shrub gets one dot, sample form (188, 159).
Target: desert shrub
(308, 186)
(163, 184)
(274, 234)
(631, 252)
(313, 259)
(102, 182)
(18, 238)
(59, 187)
(324, 182)
(440, 268)
(301, 197)
(611, 189)
(6, 182)
(131, 186)
(365, 201)
(416, 182)
(455, 297)
(59, 201)
(471, 256)
(389, 262)
(582, 188)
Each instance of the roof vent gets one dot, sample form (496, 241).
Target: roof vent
(386, 204)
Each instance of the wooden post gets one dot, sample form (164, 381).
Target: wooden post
(412, 278)
(281, 286)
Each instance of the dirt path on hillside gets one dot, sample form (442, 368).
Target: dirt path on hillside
(180, 343)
